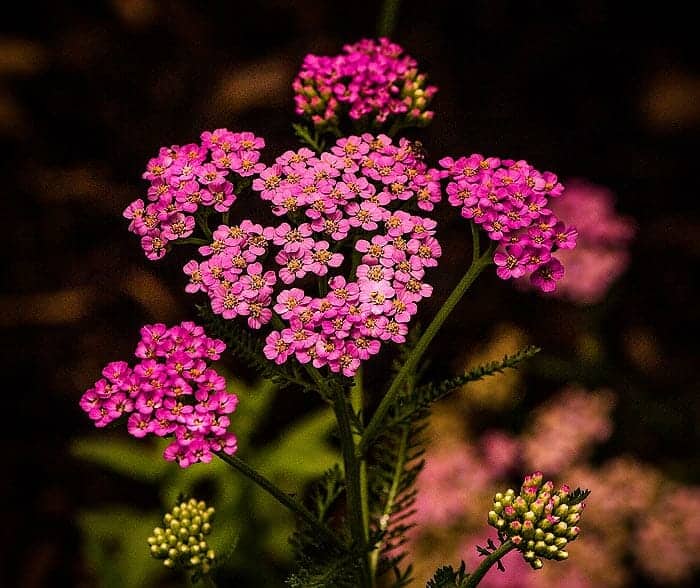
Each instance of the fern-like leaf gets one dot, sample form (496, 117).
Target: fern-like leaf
(448, 577)
(411, 405)
(578, 495)
(249, 349)
(319, 563)
(304, 135)
(396, 461)
(326, 491)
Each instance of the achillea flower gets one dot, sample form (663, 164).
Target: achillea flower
(171, 392)
(187, 178)
(372, 81)
(510, 201)
(356, 186)
(539, 520)
(181, 541)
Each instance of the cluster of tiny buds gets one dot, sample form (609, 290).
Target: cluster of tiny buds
(181, 542)
(373, 81)
(187, 179)
(539, 521)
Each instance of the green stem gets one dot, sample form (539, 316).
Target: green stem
(426, 338)
(355, 510)
(476, 250)
(357, 402)
(388, 17)
(351, 465)
(281, 496)
(207, 581)
(477, 575)
(191, 241)
(204, 225)
(396, 126)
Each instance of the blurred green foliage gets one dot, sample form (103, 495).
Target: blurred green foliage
(249, 526)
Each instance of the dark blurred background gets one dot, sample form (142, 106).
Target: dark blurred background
(90, 90)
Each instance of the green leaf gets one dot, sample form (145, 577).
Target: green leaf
(300, 453)
(304, 135)
(135, 459)
(115, 540)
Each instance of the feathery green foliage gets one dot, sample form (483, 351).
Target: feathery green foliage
(578, 495)
(396, 462)
(448, 577)
(411, 405)
(316, 142)
(249, 348)
(319, 563)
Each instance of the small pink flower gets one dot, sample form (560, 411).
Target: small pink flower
(545, 278)
(511, 262)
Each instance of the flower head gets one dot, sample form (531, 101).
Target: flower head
(510, 200)
(171, 391)
(372, 80)
(186, 178)
(181, 541)
(539, 521)
(358, 185)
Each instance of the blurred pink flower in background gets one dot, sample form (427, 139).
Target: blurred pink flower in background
(456, 474)
(500, 451)
(565, 429)
(601, 254)
(667, 541)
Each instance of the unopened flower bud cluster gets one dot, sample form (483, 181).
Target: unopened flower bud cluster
(539, 521)
(371, 81)
(181, 541)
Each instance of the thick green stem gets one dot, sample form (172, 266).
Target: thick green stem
(281, 496)
(477, 575)
(388, 18)
(426, 338)
(351, 465)
(357, 403)
(355, 511)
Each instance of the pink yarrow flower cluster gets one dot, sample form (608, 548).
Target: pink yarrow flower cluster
(510, 201)
(185, 179)
(345, 198)
(171, 392)
(372, 80)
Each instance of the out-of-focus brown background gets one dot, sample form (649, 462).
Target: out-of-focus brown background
(90, 90)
